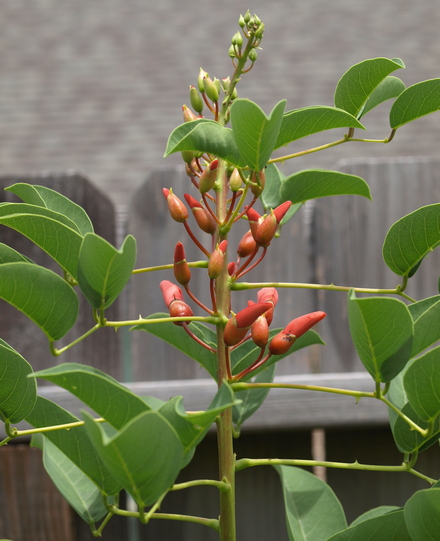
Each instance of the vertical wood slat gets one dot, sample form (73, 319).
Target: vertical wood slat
(100, 350)
(349, 232)
(287, 260)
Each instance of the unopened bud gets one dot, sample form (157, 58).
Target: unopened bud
(210, 88)
(202, 74)
(203, 218)
(266, 230)
(195, 99)
(177, 209)
(170, 292)
(254, 219)
(246, 245)
(179, 309)
(281, 343)
(260, 31)
(260, 331)
(232, 53)
(241, 22)
(182, 271)
(237, 326)
(188, 115)
(237, 39)
(258, 182)
(302, 324)
(209, 176)
(247, 17)
(235, 182)
(253, 55)
(217, 259)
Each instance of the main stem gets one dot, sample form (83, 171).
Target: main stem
(224, 422)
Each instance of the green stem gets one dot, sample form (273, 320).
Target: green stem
(141, 321)
(241, 386)
(412, 424)
(195, 264)
(251, 462)
(210, 522)
(57, 352)
(43, 429)
(98, 532)
(223, 487)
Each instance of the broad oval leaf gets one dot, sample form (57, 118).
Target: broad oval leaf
(416, 101)
(315, 183)
(382, 331)
(73, 443)
(308, 120)
(382, 528)
(145, 457)
(359, 82)
(177, 337)
(9, 255)
(426, 318)
(43, 296)
(411, 238)
(390, 87)
(409, 440)
(104, 271)
(373, 513)
(80, 492)
(102, 393)
(18, 393)
(49, 230)
(313, 512)
(205, 135)
(422, 384)
(422, 515)
(53, 200)
(255, 133)
(271, 196)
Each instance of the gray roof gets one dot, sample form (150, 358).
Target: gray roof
(98, 85)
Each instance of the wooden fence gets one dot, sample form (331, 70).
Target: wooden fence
(337, 240)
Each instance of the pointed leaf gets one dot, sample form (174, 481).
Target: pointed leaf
(43, 296)
(255, 134)
(145, 456)
(308, 120)
(9, 255)
(45, 197)
(18, 393)
(422, 385)
(313, 512)
(373, 513)
(73, 443)
(253, 398)
(205, 135)
(177, 337)
(411, 238)
(390, 526)
(416, 101)
(98, 390)
(104, 271)
(52, 232)
(271, 196)
(382, 330)
(409, 440)
(426, 318)
(359, 82)
(390, 87)
(80, 492)
(422, 515)
(314, 183)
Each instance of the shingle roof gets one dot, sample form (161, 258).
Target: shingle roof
(98, 86)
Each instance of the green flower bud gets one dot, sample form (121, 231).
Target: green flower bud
(202, 74)
(188, 155)
(257, 20)
(235, 182)
(247, 17)
(217, 83)
(253, 55)
(241, 22)
(260, 31)
(231, 52)
(196, 100)
(210, 88)
(237, 39)
(188, 115)
(225, 83)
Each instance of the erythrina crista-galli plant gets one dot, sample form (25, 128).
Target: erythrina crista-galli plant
(140, 445)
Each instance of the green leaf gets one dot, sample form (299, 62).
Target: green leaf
(145, 457)
(80, 492)
(74, 443)
(308, 120)
(45, 197)
(245, 354)
(390, 87)
(373, 513)
(18, 393)
(416, 101)
(313, 512)
(422, 515)
(253, 398)
(358, 83)
(255, 134)
(104, 271)
(382, 331)
(314, 183)
(271, 197)
(409, 440)
(205, 135)
(390, 526)
(9, 255)
(426, 318)
(177, 337)
(98, 390)
(411, 238)
(422, 385)
(51, 231)
(43, 296)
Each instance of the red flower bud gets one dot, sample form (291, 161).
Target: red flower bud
(182, 272)
(281, 210)
(188, 115)
(260, 331)
(254, 219)
(281, 343)
(265, 232)
(237, 327)
(209, 176)
(232, 267)
(170, 292)
(246, 245)
(179, 308)
(259, 180)
(302, 324)
(216, 261)
(177, 209)
(204, 220)
(268, 294)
